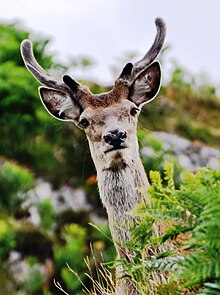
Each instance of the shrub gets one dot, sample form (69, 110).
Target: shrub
(194, 133)
(47, 214)
(7, 239)
(15, 181)
(189, 217)
(72, 252)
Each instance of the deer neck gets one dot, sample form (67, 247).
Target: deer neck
(119, 186)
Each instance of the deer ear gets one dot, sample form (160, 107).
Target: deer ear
(59, 104)
(146, 85)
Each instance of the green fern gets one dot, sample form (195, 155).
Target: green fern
(211, 289)
(192, 217)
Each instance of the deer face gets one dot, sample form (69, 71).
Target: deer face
(109, 119)
(111, 133)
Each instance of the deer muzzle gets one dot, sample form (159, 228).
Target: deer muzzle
(115, 139)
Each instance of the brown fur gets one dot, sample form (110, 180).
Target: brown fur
(119, 91)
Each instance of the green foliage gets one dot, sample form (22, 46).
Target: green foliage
(82, 62)
(36, 277)
(7, 239)
(15, 181)
(156, 155)
(9, 42)
(11, 37)
(192, 132)
(101, 238)
(28, 133)
(185, 108)
(187, 246)
(179, 79)
(72, 252)
(211, 289)
(47, 214)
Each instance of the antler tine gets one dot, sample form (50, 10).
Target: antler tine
(37, 71)
(154, 50)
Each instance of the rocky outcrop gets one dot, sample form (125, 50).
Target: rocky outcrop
(63, 199)
(190, 155)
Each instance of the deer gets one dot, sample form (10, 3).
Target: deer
(110, 123)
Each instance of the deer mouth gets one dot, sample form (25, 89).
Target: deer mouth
(115, 149)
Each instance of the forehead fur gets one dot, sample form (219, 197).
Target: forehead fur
(102, 112)
(119, 92)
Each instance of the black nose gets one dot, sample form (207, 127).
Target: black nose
(115, 138)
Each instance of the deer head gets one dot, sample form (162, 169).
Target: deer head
(109, 119)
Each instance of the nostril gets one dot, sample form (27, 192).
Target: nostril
(115, 139)
(108, 137)
(122, 134)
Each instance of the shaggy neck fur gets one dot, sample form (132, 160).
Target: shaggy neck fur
(119, 190)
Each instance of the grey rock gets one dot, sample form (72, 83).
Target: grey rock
(148, 151)
(172, 140)
(191, 156)
(62, 199)
(185, 162)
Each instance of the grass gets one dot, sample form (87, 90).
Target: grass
(101, 278)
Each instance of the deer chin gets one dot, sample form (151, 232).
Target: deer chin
(117, 159)
(117, 164)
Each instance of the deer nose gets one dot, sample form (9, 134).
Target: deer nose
(115, 138)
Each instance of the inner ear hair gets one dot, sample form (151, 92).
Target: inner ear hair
(146, 85)
(59, 104)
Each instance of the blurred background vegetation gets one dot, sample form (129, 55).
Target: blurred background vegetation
(34, 146)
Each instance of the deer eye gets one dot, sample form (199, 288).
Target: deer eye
(84, 123)
(134, 111)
